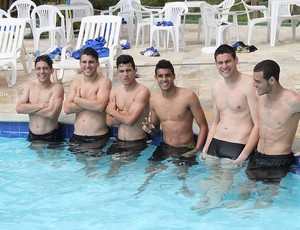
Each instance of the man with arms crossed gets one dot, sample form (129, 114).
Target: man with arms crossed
(42, 101)
(234, 130)
(278, 113)
(175, 108)
(88, 98)
(127, 108)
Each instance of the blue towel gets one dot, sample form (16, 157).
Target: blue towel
(57, 52)
(96, 44)
(164, 23)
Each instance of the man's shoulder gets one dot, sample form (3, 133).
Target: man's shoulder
(56, 86)
(247, 78)
(143, 88)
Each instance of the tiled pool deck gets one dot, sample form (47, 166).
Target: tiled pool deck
(194, 70)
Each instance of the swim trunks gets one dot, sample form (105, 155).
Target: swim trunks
(225, 149)
(127, 149)
(88, 139)
(164, 151)
(88, 145)
(53, 136)
(269, 168)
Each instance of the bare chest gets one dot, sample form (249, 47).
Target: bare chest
(233, 101)
(40, 95)
(125, 100)
(173, 111)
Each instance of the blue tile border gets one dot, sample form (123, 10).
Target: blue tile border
(20, 129)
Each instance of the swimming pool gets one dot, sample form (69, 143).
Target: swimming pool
(43, 187)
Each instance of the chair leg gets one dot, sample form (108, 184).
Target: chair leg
(199, 28)
(294, 25)
(11, 80)
(250, 28)
(138, 31)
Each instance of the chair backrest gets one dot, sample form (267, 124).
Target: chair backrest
(210, 15)
(250, 8)
(225, 7)
(81, 13)
(247, 9)
(226, 4)
(3, 14)
(47, 16)
(22, 7)
(138, 11)
(11, 36)
(173, 11)
(106, 26)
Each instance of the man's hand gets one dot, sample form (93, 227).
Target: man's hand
(147, 125)
(202, 156)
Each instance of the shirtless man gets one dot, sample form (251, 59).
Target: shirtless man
(234, 130)
(175, 108)
(88, 98)
(127, 108)
(278, 116)
(42, 101)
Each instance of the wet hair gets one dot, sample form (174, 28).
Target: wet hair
(44, 58)
(164, 64)
(125, 59)
(225, 49)
(269, 68)
(89, 52)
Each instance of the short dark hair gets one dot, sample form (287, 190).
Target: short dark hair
(125, 59)
(269, 68)
(90, 52)
(225, 49)
(164, 64)
(44, 58)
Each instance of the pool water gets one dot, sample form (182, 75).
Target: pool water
(43, 187)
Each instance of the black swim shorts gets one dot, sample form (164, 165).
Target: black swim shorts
(53, 136)
(164, 151)
(122, 148)
(88, 139)
(225, 149)
(269, 168)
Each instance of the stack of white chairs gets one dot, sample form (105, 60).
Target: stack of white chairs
(142, 19)
(262, 11)
(77, 16)
(212, 20)
(124, 10)
(285, 14)
(46, 18)
(23, 9)
(172, 12)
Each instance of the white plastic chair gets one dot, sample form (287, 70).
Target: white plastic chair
(46, 18)
(23, 9)
(212, 19)
(12, 47)
(106, 26)
(77, 15)
(172, 12)
(142, 19)
(285, 14)
(124, 10)
(252, 21)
